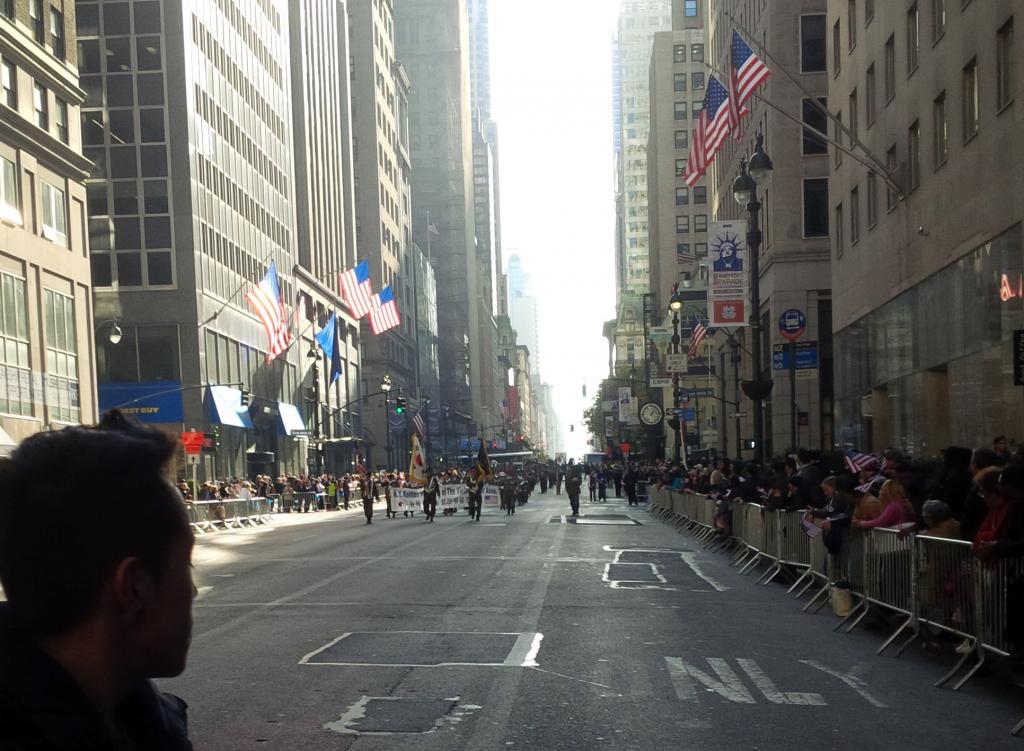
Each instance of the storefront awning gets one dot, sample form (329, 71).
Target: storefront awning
(291, 420)
(225, 405)
(7, 444)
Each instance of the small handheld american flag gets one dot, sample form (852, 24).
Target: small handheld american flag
(857, 462)
(810, 529)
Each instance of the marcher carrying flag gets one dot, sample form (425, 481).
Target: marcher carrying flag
(417, 463)
(483, 464)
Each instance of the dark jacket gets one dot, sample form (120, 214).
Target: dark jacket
(42, 709)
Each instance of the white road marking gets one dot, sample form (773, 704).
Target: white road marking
(691, 560)
(855, 682)
(765, 685)
(570, 678)
(523, 653)
(615, 582)
(202, 591)
(728, 685)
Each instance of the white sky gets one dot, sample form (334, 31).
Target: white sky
(551, 98)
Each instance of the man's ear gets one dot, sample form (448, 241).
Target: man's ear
(133, 588)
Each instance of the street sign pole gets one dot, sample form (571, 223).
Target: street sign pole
(792, 395)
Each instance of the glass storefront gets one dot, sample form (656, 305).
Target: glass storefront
(933, 366)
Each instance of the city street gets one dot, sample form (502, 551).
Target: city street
(530, 632)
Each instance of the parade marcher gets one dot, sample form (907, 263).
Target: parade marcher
(475, 491)
(430, 493)
(573, 486)
(593, 486)
(559, 475)
(543, 482)
(367, 496)
(602, 487)
(508, 497)
(87, 626)
(389, 483)
(346, 491)
(617, 474)
(629, 479)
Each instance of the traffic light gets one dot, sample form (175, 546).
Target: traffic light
(572, 428)
(399, 405)
(245, 397)
(215, 438)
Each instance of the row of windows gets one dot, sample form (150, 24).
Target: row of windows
(40, 102)
(115, 55)
(700, 224)
(222, 186)
(230, 131)
(679, 81)
(679, 110)
(117, 18)
(234, 75)
(700, 195)
(679, 53)
(38, 17)
(252, 39)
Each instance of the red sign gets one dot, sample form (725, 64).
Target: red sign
(192, 442)
(728, 313)
(626, 448)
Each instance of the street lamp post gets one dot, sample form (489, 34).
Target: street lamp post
(676, 305)
(317, 456)
(744, 189)
(385, 387)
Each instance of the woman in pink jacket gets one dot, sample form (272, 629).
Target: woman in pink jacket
(896, 508)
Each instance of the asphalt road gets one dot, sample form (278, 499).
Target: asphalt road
(528, 632)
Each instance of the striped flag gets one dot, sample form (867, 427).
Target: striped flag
(431, 227)
(384, 313)
(699, 332)
(357, 290)
(810, 529)
(713, 125)
(419, 424)
(747, 72)
(684, 256)
(857, 462)
(266, 302)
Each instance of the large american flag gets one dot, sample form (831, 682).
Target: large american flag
(357, 289)
(699, 332)
(713, 125)
(384, 313)
(747, 72)
(419, 424)
(267, 304)
(685, 256)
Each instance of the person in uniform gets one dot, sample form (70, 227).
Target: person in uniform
(475, 491)
(543, 481)
(367, 494)
(430, 493)
(559, 474)
(573, 486)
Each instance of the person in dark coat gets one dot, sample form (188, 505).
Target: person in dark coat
(629, 480)
(86, 627)
(430, 493)
(368, 493)
(559, 476)
(617, 477)
(573, 486)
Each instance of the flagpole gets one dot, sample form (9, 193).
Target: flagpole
(429, 257)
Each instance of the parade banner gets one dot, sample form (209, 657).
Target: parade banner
(625, 398)
(491, 496)
(728, 292)
(407, 499)
(453, 497)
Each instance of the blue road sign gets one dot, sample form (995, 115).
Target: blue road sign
(806, 356)
(792, 324)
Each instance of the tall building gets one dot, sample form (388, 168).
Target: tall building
(188, 122)
(478, 13)
(678, 219)
(380, 96)
(795, 272)
(46, 361)
(433, 43)
(638, 21)
(524, 312)
(927, 248)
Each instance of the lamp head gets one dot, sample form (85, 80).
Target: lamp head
(115, 335)
(760, 163)
(676, 303)
(743, 186)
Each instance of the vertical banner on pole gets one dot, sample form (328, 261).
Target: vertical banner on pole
(625, 399)
(728, 282)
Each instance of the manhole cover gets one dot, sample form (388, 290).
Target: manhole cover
(426, 649)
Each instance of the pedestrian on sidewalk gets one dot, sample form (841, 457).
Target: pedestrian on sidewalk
(573, 486)
(87, 626)
(346, 491)
(617, 474)
(559, 475)
(602, 487)
(593, 486)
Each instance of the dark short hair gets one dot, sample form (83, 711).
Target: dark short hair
(75, 503)
(984, 457)
(998, 438)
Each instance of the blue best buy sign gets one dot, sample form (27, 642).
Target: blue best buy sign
(156, 401)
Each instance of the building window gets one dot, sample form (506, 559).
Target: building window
(680, 110)
(839, 231)
(816, 207)
(54, 214)
(854, 115)
(837, 49)
(700, 223)
(872, 200)
(682, 225)
(679, 82)
(697, 79)
(854, 216)
(57, 34)
(41, 106)
(814, 117)
(851, 22)
(970, 99)
(940, 129)
(7, 8)
(10, 201)
(913, 38)
(16, 394)
(61, 383)
(869, 11)
(696, 53)
(682, 139)
(914, 155)
(9, 76)
(812, 43)
(890, 167)
(682, 196)
(35, 12)
(869, 94)
(62, 120)
(1004, 65)
(839, 137)
(679, 53)
(938, 19)
(890, 69)
(690, 8)
(680, 167)
(700, 195)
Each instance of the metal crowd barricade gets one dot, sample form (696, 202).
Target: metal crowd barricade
(889, 579)
(228, 513)
(643, 492)
(771, 545)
